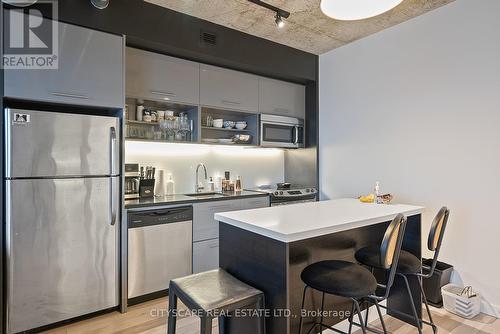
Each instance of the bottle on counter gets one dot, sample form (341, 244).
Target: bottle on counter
(160, 187)
(378, 198)
(218, 184)
(237, 187)
(170, 187)
(211, 184)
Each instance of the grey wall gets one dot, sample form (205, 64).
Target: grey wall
(417, 107)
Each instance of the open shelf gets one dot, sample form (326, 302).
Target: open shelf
(160, 141)
(151, 131)
(223, 129)
(208, 132)
(140, 122)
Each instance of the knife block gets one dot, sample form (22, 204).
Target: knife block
(146, 188)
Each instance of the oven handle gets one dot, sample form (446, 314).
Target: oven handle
(294, 202)
(280, 123)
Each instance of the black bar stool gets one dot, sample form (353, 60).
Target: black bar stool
(210, 294)
(353, 281)
(410, 266)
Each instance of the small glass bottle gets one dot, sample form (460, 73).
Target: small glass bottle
(237, 187)
(378, 198)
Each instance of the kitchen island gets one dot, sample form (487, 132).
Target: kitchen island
(268, 248)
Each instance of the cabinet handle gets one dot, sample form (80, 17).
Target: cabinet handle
(220, 207)
(75, 96)
(283, 110)
(155, 92)
(231, 102)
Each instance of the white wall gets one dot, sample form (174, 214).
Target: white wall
(256, 166)
(417, 107)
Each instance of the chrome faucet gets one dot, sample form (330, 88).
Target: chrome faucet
(198, 187)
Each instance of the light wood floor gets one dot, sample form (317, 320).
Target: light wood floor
(150, 318)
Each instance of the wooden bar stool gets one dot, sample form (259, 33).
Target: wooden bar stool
(353, 281)
(410, 266)
(210, 294)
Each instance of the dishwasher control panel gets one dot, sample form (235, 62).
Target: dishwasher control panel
(160, 216)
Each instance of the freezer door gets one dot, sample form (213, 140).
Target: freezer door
(61, 250)
(46, 144)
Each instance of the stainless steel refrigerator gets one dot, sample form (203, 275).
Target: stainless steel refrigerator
(62, 216)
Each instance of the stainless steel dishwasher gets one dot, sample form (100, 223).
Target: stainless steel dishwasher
(159, 248)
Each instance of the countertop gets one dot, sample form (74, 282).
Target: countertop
(290, 223)
(184, 199)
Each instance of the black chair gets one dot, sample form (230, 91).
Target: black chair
(213, 294)
(353, 281)
(410, 266)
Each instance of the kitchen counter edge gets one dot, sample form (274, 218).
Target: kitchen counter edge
(183, 199)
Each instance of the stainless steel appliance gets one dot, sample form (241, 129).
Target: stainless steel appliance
(159, 248)
(132, 179)
(285, 193)
(62, 216)
(281, 131)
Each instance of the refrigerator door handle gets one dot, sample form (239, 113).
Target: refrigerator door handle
(112, 134)
(112, 200)
(112, 188)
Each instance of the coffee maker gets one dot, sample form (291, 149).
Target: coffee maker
(132, 181)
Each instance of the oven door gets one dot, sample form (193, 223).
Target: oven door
(279, 133)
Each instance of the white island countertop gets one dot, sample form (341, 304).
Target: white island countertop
(288, 223)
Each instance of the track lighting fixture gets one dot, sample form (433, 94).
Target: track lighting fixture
(279, 21)
(280, 13)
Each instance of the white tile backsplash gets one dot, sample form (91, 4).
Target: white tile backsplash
(256, 166)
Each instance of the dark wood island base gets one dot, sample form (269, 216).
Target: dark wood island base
(274, 267)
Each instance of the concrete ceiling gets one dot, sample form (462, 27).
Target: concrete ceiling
(307, 28)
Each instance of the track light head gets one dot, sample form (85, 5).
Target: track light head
(279, 20)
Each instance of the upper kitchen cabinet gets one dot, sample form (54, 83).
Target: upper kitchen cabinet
(227, 89)
(282, 98)
(90, 71)
(153, 76)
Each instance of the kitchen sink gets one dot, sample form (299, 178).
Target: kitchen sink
(206, 195)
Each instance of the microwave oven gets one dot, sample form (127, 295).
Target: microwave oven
(281, 131)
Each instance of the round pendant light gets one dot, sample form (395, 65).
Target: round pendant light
(100, 4)
(350, 10)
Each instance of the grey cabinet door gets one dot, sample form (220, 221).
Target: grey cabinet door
(204, 225)
(206, 228)
(227, 89)
(205, 255)
(158, 77)
(90, 71)
(256, 202)
(281, 98)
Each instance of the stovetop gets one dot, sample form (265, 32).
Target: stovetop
(291, 191)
